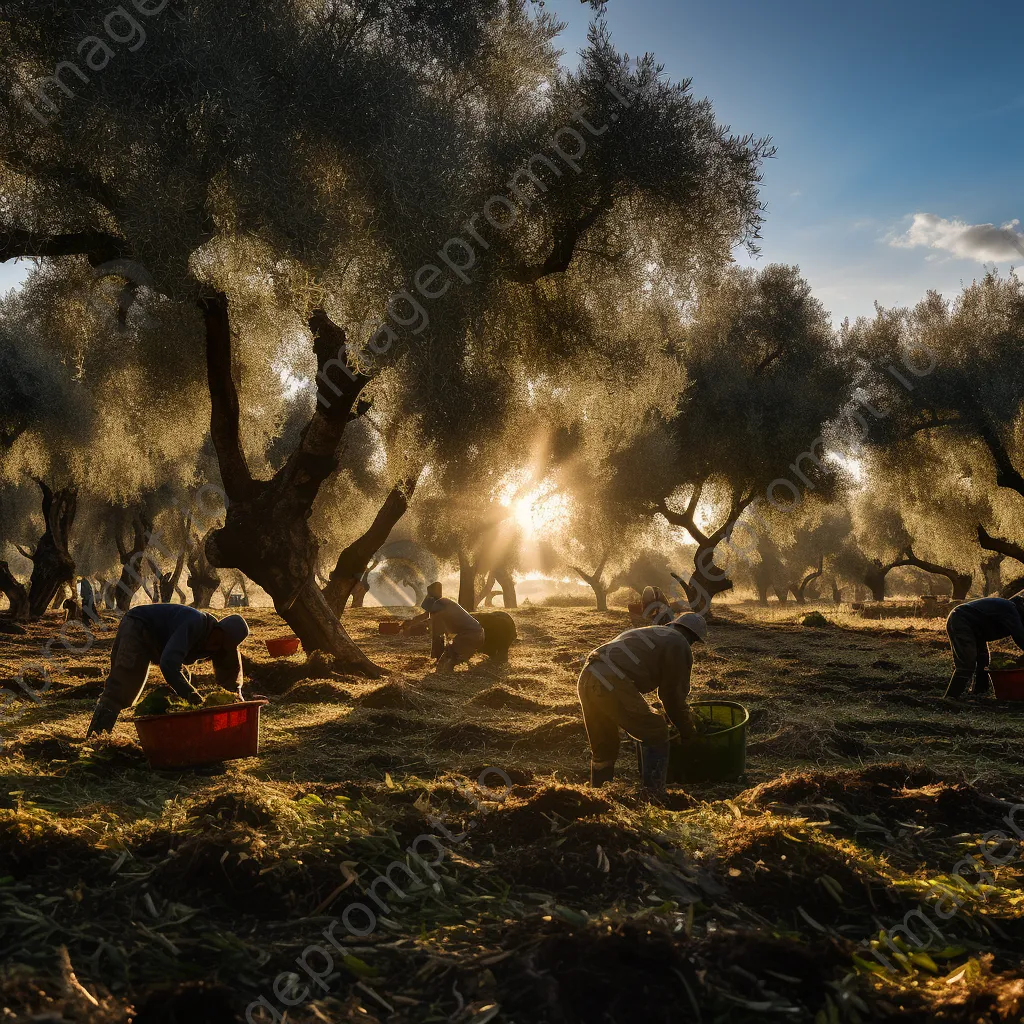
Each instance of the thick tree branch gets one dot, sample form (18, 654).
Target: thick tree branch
(97, 246)
(339, 385)
(810, 578)
(1007, 474)
(224, 410)
(934, 424)
(687, 518)
(737, 506)
(1003, 547)
(353, 561)
(769, 358)
(77, 176)
(961, 582)
(566, 238)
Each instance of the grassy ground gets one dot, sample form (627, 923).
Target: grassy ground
(190, 896)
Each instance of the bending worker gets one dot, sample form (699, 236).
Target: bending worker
(447, 619)
(656, 609)
(172, 636)
(612, 685)
(970, 627)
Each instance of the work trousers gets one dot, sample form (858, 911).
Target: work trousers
(970, 657)
(611, 705)
(130, 658)
(461, 647)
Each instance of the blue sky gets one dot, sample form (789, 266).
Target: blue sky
(881, 110)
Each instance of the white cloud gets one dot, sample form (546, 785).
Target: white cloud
(982, 242)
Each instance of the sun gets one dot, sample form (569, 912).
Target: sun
(541, 511)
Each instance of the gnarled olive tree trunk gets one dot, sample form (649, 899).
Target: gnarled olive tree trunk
(266, 532)
(16, 593)
(1003, 549)
(990, 574)
(800, 589)
(52, 564)
(508, 588)
(874, 578)
(959, 581)
(468, 572)
(707, 580)
(169, 580)
(203, 579)
(131, 554)
(595, 580)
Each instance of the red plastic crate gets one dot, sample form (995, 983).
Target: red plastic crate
(1008, 683)
(203, 736)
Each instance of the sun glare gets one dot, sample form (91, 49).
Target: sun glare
(541, 511)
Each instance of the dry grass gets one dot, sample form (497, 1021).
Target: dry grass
(558, 905)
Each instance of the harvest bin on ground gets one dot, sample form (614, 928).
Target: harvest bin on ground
(719, 756)
(203, 736)
(1008, 683)
(282, 646)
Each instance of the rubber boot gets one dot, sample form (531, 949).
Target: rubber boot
(103, 719)
(600, 774)
(982, 684)
(654, 757)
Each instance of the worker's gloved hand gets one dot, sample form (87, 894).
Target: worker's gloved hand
(191, 695)
(688, 730)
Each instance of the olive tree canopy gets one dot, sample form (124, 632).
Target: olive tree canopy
(295, 177)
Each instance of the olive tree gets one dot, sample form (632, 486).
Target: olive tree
(84, 420)
(299, 179)
(766, 378)
(947, 414)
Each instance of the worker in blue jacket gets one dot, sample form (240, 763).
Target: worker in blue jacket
(171, 636)
(970, 627)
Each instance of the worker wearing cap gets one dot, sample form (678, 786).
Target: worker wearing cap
(656, 609)
(970, 627)
(171, 636)
(448, 619)
(611, 689)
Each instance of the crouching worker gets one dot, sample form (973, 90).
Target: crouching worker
(656, 608)
(171, 636)
(447, 619)
(970, 627)
(612, 686)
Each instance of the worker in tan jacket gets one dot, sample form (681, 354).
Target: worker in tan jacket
(612, 685)
(448, 619)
